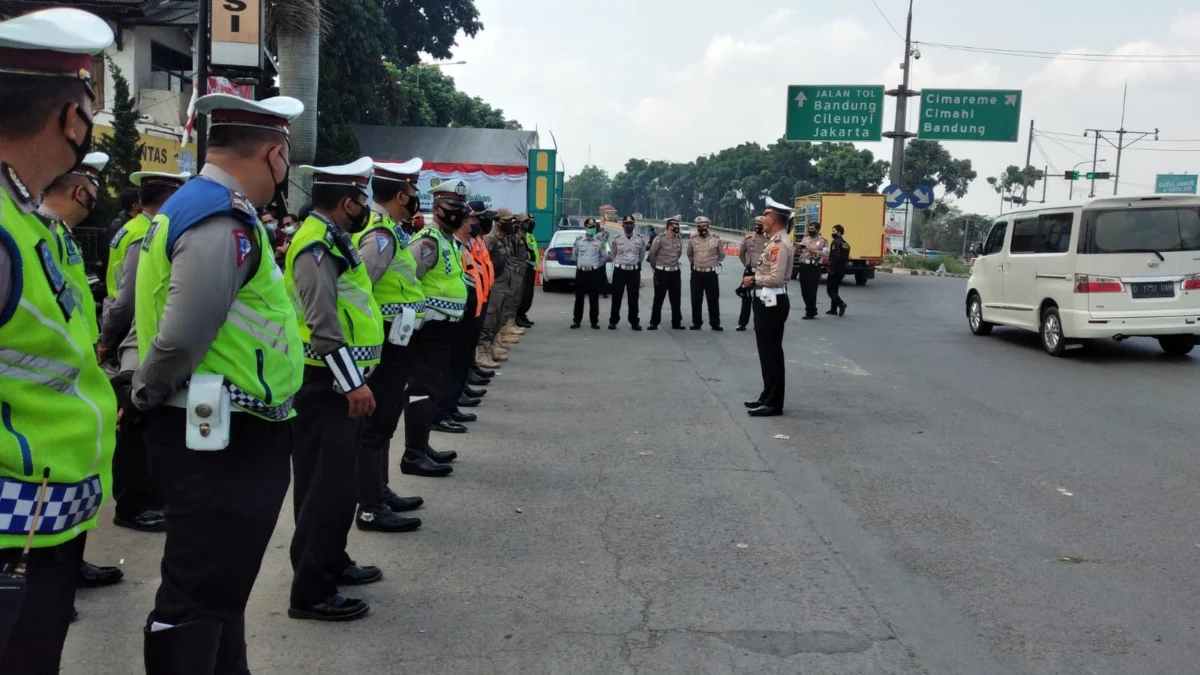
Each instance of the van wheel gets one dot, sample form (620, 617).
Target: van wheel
(975, 316)
(1177, 345)
(1051, 331)
(860, 278)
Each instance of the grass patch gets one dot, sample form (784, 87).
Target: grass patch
(916, 262)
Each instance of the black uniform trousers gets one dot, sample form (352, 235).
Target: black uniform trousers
(588, 283)
(744, 315)
(388, 382)
(324, 459)
(810, 279)
(526, 292)
(462, 346)
(625, 281)
(33, 644)
(667, 285)
(705, 287)
(221, 508)
(768, 334)
(133, 490)
(430, 352)
(833, 284)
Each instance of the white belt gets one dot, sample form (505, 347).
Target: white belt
(588, 269)
(805, 261)
(704, 269)
(434, 315)
(627, 267)
(667, 269)
(767, 292)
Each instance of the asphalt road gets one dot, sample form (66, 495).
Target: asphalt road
(932, 502)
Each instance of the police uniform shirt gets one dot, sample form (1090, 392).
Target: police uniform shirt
(315, 274)
(589, 252)
(705, 252)
(378, 249)
(628, 250)
(11, 183)
(812, 247)
(494, 241)
(208, 268)
(751, 248)
(666, 250)
(775, 263)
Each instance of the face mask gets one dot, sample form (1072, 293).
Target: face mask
(703, 231)
(476, 229)
(485, 226)
(81, 149)
(88, 202)
(453, 217)
(289, 230)
(758, 229)
(506, 228)
(357, 223)
(413, 203)
(629, 229)
(812, 232)
(278, 197)
(271, 226)
(591, 232)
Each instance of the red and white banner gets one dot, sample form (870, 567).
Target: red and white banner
(497, 186)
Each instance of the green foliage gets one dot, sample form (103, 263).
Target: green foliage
(124, 150)
(429, 26)
(954, 265)
(1014, 180)
(591, 187)
(950, 230)
(928, 163)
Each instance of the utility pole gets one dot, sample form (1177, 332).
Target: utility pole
(1028, 158)
(900, 134)
(1120, 145)
(203, 47)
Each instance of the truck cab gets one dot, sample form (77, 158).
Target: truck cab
(863, 217)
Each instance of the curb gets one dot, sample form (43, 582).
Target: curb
(918, 273)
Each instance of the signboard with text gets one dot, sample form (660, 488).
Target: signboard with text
(970, 115)
(832, 112)
(237, 33)
(1175, 184)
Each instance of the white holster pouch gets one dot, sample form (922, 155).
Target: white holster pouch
(208, 410)
(770, 296)
(403, 327)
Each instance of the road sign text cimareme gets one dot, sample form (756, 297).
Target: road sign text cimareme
(970, 115)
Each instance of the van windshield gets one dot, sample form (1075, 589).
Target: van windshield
(1139, 230)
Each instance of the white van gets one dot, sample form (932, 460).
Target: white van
(1115, 267)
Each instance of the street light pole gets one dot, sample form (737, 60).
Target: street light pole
(900, 133)
(1071, 194)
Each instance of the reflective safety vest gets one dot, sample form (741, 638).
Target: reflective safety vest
(487, 276)
(258, 348)
(358, 312)
(445, 283)
(399, 286)
(57, 409)
(118, 249)
(70, 258)
(531, 244)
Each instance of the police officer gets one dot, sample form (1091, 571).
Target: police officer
(589, 257)
(214, 323)
(124, 250)
(812, 249)
(605, 237)
(65, 433)
(518, 253)
(501, 292)
(532, 257)
(440, 269)
(479, 251)
(706, 253)
(627, 251)
(383, 246)
(771, 307)
(750, 250)
(839, 256)
(664, 255)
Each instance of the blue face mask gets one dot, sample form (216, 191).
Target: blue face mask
(629, 229)
(591, 231)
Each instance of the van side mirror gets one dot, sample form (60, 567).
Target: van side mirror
(977, 249)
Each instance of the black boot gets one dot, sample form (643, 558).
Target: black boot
(398, 504)
(465, 401)
(186, 649)
(383, 519)
(417, 463)
(439, 456)
(483, 372)
(93, 576)
(476, 380)
(474, 393)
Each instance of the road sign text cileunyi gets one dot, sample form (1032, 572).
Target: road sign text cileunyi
(834, 113)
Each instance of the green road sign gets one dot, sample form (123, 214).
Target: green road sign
(834, 112)
(970, 115)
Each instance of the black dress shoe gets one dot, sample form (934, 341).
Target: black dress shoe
(695, 327)
(832, 312)
(92, 576)
(449, 427)
(524, 322)
(764, 411)
(439, 456)
(652, 326)
(146, 521)
(752, 404)
(575, 325)
(382, 519)
(842, 309)
(462, 417)
(718, 328)
(359, 575)
(596, 326)
(612, 326)
(474, 393)
(807, 317)
(477, 380)
(467, 402)
(678, 327)
(419, 464)
(636, 327)
(741, 329)
(400, 504)
(483, 372)
(336, 607)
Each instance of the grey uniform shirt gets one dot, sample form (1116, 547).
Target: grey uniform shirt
(706, 252)
(665, 251)
(628, 249)
(589, 252)
(118, 314)
(425, 250)
(315, 274)
(6, 269)
(205, 279)
(377, 250)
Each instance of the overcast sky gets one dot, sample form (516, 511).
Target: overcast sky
(675, 79)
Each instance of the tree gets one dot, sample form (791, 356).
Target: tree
(124, 150)
(1015, 179)
(928, 163)
(591, 187)
(429, 26)
(296, 27)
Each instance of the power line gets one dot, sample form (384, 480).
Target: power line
(886, 20)
(1032, 52)
(1160, 140)
(1062, 145)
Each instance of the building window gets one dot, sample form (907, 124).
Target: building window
(99, 74)
(170, 70)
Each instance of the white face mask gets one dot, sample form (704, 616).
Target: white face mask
(289, 230)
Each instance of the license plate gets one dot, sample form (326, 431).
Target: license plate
(1157, 289)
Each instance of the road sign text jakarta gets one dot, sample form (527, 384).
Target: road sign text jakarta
(834, 113)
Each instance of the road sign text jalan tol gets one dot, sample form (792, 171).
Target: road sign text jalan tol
(970, 115)
(829, 112)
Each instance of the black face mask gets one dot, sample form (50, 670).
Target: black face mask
(453, 217)
(81, 149)
(476, 229)
(279, 198)
(485, 226)
(758, 229)
(506, 228)
(357, 223)
(88, 203)
(412, 204)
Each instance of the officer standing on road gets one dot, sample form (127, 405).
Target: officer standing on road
(589, 273)
(447, 417)
(749, 252)
(605, 238)
(706, 252)
(839, 256)
(771, 308)
(812, 249)
(532, 257)
(501, 293)
(664, 255)
(628, 250)
(518, 262)
(214, 324)
(383, 246)
(54, 393)
(476, 375)
(342, 328)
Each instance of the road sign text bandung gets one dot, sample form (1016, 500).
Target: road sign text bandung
(834, 113)
(1175, 184)
(970, 115)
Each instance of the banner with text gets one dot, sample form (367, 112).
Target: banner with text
(498, 187)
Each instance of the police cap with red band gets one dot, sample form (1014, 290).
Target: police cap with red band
(274, 113)
(55, 42)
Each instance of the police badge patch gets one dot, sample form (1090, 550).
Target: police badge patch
(382, 241)
(318, 254)
(242, 244)
(74, 254)
(116, 240)
(56, 280)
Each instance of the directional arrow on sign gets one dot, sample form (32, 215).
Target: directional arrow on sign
(1010, 99)
(800, 99)
(922, 196)
(894, 196)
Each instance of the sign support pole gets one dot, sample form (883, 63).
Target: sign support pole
(900, 134)
(204, 43)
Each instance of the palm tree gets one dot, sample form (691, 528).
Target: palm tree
(295, 27)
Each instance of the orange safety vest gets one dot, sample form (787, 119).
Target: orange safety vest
(488, 271)
(469, 267)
